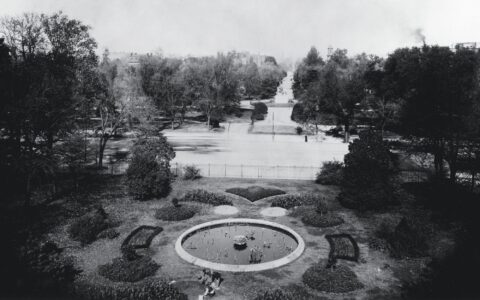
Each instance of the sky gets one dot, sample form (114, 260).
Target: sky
(283, 28)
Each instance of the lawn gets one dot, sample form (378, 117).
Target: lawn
(379, 274)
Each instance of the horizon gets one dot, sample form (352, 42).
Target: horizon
(284, 29)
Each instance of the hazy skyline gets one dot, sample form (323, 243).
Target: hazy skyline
(275, 27)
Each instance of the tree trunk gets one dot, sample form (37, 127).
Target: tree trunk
(208, 121)
(101, 149)
(347, 132)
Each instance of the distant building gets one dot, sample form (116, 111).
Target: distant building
(467, 45)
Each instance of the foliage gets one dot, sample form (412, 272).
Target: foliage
(149, 289)
(299, 130)
(340, 279)
(203, 196)
(191, 172)
(291, 200)
(254, 193)
(368, 174)
(125, 270)
(331, 173)
(172, 213)
(409, 239)
(148, 174)
(87, 228)
(45, 268)
(438, 87)
(128, 252)
(259, 108)
(315, 219)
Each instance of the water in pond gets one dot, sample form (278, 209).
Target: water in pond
(216, 244)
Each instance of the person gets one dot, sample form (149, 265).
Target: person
(214, 284)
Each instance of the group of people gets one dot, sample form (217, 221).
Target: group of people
(211, 280)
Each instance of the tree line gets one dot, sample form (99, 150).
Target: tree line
(61, 103)
(429, 95)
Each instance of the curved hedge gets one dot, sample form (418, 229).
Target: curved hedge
(332, 280)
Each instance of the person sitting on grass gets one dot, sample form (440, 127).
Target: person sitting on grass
(214, 285)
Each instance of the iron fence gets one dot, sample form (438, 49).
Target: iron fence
(250, 171)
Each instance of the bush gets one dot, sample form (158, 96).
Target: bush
(149, 289)
(129, 252)
(315, 219)
(191, 172)
(129, 270)
(340, 279)
(202, 196)
(148, 174)
(254, 193)
(291, 200)
(299, 130)
(45, 268)
(409, 238)
(260, 108)
(342, 246)
(172, 213)
(368, 174)
(331, 173)
(86, 228)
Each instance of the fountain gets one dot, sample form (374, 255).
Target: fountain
(239, 245)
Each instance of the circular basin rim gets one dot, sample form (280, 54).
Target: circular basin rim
(240, 268)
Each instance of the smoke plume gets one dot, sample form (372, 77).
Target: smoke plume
(419, 36)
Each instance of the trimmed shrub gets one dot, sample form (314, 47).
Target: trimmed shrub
(260, 108)
(147, 289)
(86, 228)
(172, 213)
(191, 172)
(340, 279)
(148, 174)
(291, 200)
(315, 219)
(202, 196)
(128, 252)
(368, 174)
(331, 173)
(147, 179)
(254, 193)
(299, 130)
(125, 270)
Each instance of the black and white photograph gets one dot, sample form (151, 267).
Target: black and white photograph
(239, 149)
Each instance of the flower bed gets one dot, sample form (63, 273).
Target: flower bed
(255, 193)
(203, 196)
(172, 213)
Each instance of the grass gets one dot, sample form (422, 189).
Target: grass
(315, 219)
(255, 193)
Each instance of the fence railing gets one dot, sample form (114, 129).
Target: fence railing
(250, 171)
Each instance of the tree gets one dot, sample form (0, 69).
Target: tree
(368, 173)
(42, 94)
(148, 174)
(438, 88)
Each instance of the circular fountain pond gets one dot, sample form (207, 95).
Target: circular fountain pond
(239, 245)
